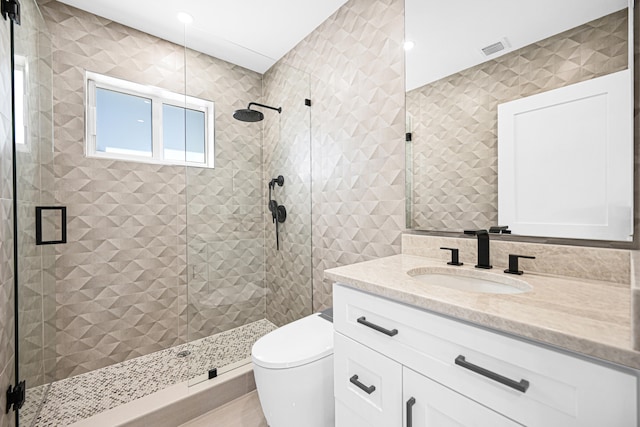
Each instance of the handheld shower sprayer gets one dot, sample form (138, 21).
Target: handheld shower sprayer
(278, 212)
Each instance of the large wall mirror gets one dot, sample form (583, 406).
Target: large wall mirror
(474, 70)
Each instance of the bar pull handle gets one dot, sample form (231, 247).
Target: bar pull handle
(354, 380)
(363, 320)
(410, 404)
(521, 385)
(63, 225)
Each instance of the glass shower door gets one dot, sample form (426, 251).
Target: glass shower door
(34, 162)
(239, 287)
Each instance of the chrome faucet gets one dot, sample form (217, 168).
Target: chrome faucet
(483, 248)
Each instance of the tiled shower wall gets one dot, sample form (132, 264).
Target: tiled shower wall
(454, 134)
(7, 373)
(121, 280)
(355, 60)
(224, 209)
(117, 278)
(287, 152)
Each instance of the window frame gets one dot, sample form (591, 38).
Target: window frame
(158, 97)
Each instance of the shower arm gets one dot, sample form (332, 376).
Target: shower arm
(279, 110)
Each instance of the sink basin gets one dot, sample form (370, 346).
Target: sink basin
(469, 280)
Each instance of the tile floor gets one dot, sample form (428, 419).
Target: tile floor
(83, 396)
(242, 412)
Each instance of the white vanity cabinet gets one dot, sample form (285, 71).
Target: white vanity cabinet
(462, 375)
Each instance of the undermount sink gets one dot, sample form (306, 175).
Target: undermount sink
(469, 280)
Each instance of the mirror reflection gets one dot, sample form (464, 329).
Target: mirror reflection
(470, 57)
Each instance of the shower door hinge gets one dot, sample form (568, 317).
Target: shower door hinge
(11, 10)
(16, 396)
(307, 102)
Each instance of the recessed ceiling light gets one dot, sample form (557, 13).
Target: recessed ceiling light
(408, 45)
(185, 18)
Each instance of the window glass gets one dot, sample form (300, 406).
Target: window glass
(195, 136)
(123, 123)
(179, 144)
(21, 135)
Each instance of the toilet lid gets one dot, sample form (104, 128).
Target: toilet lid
(295, 344)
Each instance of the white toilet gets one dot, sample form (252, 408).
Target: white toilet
(293, 367)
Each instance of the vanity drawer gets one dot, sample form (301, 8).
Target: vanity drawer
(555, 388)
(365, 383)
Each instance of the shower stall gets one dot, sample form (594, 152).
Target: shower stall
(134, 276)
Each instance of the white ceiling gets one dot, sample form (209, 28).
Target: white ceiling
(449, 34)
(251, 33)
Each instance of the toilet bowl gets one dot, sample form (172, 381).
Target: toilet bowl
(293, 367)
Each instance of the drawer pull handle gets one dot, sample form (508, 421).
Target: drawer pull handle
(410, 404)
(363, 320)
(521, 386)
(368, 390)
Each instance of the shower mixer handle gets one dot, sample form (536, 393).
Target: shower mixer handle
(281, 214)
(273, 205)
(278, 212)
(279, 180)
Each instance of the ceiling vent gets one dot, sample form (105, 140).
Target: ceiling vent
(494, 48)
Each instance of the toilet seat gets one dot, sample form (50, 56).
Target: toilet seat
(296, 344)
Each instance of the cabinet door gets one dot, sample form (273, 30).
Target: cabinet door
(367, 386)
(430, 404)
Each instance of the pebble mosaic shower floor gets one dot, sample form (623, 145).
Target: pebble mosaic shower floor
(83, 396)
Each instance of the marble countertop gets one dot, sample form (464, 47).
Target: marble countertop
(588, 317)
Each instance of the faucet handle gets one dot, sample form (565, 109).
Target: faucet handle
(455, 260)
(497, 229)
(476, 232)
(513, 263)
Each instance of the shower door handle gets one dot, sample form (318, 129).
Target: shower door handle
(63, 225)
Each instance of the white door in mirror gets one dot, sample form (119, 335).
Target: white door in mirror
(565, 161)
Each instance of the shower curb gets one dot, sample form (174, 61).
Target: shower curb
(177, 404)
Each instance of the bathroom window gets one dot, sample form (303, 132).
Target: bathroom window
(20, 73)
(130, 121)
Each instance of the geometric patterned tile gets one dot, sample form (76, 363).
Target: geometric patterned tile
(140, 234)
(161, 255)
(124, 284)
(356, 63)
(128, 222)
(287, 152)
(454, 134)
